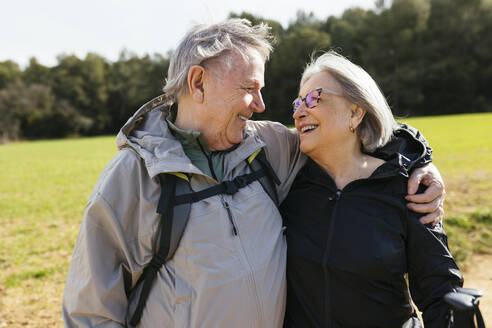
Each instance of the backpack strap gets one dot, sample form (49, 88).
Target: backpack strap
(171, 228)
(180, 214)
(270, 180)
(229, 187)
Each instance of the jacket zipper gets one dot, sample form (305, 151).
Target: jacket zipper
(250, 275)
(229, 215)
(326, 272)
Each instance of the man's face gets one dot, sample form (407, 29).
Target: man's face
(231, 96)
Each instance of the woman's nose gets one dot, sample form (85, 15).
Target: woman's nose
(299, 112)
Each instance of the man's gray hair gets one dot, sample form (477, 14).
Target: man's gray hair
(205, 42)
(358, 86)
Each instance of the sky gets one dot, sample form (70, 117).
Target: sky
(47, 28)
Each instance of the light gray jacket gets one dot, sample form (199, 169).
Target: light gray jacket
(215, 279)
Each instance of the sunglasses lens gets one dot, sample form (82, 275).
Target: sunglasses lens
(296, 104)
(312, 98)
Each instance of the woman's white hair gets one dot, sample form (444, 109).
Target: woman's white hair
(358, 86)
(215, 41)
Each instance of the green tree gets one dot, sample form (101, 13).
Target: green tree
(9, 72)
(395, 53)
(82, 84)
(284, 70)
(37, 73)
(132, 81)
(458, 56)
(350, 32)
(32, 111)
(10, 124)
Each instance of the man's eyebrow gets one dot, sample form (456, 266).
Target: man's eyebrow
(254, 82)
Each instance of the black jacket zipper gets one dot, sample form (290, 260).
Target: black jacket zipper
(229, 214)
(335, 198)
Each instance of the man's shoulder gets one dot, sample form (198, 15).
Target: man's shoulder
(268, 130)
(124, 170)
(265, 125)
(126, 160)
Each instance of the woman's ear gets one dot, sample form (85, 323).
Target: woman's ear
(196, 76)
(357, 114)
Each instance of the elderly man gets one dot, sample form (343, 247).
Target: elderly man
(229, 267)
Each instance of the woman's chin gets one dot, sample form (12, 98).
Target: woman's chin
(305, 147)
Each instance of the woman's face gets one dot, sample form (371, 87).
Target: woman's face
(328, 123)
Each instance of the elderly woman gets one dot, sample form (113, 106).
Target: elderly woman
(350, 237)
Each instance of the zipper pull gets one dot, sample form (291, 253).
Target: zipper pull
(229, 214)
(338, 194)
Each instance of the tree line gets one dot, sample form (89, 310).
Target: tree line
(429, 57)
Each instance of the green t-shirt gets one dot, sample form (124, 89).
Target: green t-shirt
(196, 148)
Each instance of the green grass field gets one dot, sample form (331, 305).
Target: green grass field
(463, 153)
(44, 186)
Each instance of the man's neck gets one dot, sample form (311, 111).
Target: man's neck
(187, 119)
(184, 119)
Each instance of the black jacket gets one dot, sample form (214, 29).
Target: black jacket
(348, 250)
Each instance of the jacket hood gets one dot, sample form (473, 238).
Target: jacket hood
(407, 148)
(148, 134)
(402, 154)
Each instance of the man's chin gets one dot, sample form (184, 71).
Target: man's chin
(226, 145)
(233, 142)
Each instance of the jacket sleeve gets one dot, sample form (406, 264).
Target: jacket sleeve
(410, 143)
(107, 258)
(282, 151)
(432, 271)
(94, 293)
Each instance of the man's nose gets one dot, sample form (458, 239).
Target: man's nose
(257, 103)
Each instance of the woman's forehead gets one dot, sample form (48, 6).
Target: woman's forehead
(321, 80)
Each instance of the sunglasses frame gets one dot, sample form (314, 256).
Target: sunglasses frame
(319, 90)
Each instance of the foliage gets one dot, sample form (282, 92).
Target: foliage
(9, 72)
(428, 56)
(284, 71)
(75, 97)
(132, 81)
(34, 110)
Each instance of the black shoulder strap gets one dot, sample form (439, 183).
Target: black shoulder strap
(171, 228)
(270, 180)
(180, 216)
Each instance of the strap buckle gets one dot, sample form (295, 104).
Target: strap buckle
(230, 187)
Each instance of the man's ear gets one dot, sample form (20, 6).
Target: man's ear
(196, 76)
(357, 114)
